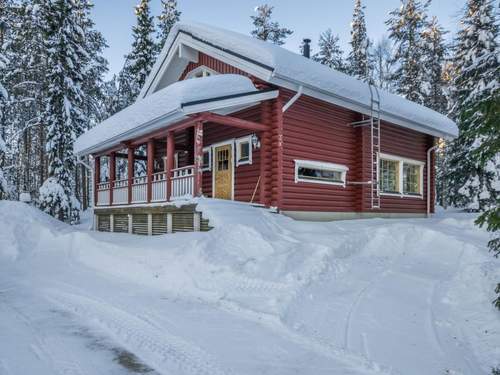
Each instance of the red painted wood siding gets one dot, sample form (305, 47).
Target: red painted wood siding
(245, 176)
(315, 130)
(410, 144)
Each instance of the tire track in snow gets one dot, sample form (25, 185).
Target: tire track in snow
(355, 305)
(161, 350)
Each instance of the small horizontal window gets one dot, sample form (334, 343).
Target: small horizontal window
(320, 172)
(243, 151)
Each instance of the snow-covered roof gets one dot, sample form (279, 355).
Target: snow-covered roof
(288, 69)
(168, 105)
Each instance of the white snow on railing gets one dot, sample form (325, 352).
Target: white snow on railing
(140, 189)
(183, 181)
(159, 187)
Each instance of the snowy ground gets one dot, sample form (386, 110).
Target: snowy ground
(260, 294)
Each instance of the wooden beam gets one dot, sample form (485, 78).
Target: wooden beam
(130, 171)
(97, 177)
(198, 158)
(235, 122)
(112, 176)
(170, 162)
(150, 167)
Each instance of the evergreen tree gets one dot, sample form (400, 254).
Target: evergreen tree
(128, 87)
(383, 65)
(142, 57)
(358, 62)
(65, 118)
(474, 162)
(268, 30)
(7, 58)
(4, 96)
(167, 19)
(96, 66)
(330, 53)
(405, 26)
(434, 51)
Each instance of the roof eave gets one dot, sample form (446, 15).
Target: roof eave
(345, 102)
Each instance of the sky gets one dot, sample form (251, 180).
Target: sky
(115, 18)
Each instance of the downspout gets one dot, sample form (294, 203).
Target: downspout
(429, 151)
(294, 98)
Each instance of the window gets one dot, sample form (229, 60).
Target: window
(243, 151)
(411, 179)
(389, 176)
(400, 176)
(320, 172)
(201, 71)
(207, 159)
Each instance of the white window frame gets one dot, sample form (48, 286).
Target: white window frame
(209, 150)
(206, 71)
(401, 161)
(238, 142)
(321, 165)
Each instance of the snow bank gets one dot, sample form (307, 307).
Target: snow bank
(295, 68)
(412, 295)
(22, 227)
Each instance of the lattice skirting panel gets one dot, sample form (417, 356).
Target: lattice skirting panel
(150, 222)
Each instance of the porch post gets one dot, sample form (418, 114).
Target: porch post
(130, 172)
(198, 158)
(150, 167)
(112, 175)
(265, 155)
(97, 177)
(170, 162)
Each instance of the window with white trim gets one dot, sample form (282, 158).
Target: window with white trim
(400, 176)
(201, 71)
(207, 159)
(244, 150)
(320, 172)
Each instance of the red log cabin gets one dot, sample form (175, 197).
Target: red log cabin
(224, 115)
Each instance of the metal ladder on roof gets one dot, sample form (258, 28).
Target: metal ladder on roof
(375, 145)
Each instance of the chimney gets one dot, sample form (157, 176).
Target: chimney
(306, 48)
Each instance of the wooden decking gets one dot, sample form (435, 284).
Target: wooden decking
(150, 220)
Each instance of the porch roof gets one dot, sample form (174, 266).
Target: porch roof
(220, 94)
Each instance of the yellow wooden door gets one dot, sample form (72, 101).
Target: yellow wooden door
(223, 172)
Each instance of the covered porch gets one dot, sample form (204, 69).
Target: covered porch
(167, 164)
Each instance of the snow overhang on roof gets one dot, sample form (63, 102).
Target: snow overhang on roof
(284, 68)
(221, 94)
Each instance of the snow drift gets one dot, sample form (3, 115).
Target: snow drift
(371, 296)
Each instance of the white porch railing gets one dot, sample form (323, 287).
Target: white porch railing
(159, 187)
(183, 181)
(140, 189)
(103, 193)
(120, 192)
